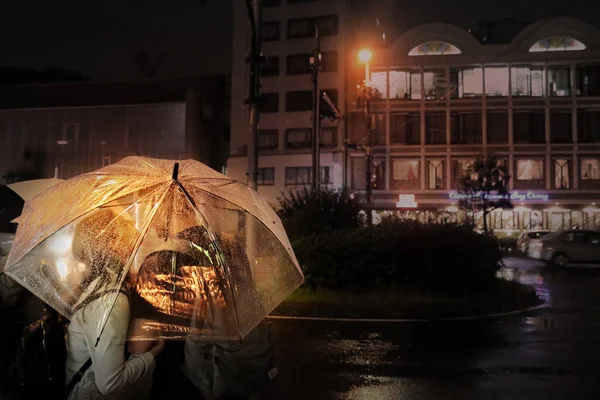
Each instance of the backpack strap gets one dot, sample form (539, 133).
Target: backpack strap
(77, 377)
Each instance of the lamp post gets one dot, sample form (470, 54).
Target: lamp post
(315, 67)
(255, 18)
(365, 56)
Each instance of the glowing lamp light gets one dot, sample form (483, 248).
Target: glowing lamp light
(62, 244)
(365, 55)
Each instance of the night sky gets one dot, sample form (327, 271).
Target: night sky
(100, 39)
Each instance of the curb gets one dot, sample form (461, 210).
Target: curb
(404, 320)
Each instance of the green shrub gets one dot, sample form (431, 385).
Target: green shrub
(306, 212)
(443, 258)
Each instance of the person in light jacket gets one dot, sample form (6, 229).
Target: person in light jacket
(111, 375)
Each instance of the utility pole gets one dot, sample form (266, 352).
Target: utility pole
(255, 17)
(368, 148)
(315, 65)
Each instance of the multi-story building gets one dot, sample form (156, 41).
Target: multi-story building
(444, 96)
(66, 129)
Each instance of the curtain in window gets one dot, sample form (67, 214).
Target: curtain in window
(406, 170)
(561, 174)
(530, 169)
(590, 169)
(436, 174)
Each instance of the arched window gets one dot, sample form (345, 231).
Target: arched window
(557, 43)
(434, 49)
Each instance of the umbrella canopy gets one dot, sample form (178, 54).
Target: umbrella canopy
(203, 255)
(29, 189)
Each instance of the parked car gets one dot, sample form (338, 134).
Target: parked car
(571, 246)
(528, 237)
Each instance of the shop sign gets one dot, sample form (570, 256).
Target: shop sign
(406, 201)
(514, 196)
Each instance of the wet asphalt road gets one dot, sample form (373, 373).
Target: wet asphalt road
(551, 353)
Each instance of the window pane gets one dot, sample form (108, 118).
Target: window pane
(461, 169)
(267, 139)
(405, 170)
(588, 126)
(590, 169)
(297, 175)
(324, 175)
(470, 82)
(298, 138)
(298, 64)
(435, 84)
(588, 80)
(379, 82)
(399, 84)
(266, 176)
(415, 85)
(530, 170)
(435, 129)
(300, 28)
(298, 101)
(466, 128)
(560, 81)
(497, 127)
(378, 129)
(561, 127)
(270, 31)
(496, 81)
(561, 174)
(269, 103)
(435, 176)
(529, 127)
(406, 128)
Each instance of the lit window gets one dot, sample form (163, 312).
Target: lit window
(405, 85)
(557, 43)
(528, 170)
(405, 170)
(561, 174)
(470, 82)
(436, 174)
(590, 169)
(379, 83)
(496, 81)
(434, 49)
(527, 81)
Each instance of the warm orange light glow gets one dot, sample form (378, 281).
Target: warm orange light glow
(365, 55)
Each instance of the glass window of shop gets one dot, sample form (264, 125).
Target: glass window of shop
(561, 175)
(503, 219)
(529, 127)
(559, 81)
(466, 127)
(561, 126)
(405, 85)
(588, 126)
(532, 219)
(588, 80)
(589, 173)
(435, 128)
(434, 82)
(496, 81)
(530, 174)
(467, 81)
(560, 220)
(378, 178)
(527, 81)
(406, 128)
(497, 127)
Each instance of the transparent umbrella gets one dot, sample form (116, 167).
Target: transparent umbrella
(202, 255)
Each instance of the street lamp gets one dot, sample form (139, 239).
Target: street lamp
(365, 56)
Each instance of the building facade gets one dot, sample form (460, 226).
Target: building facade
(443, 96)
(68, 129)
